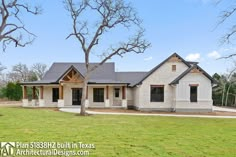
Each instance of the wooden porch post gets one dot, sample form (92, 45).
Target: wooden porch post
(25, 93)
(34, 94)
(107, 94)
(41, 92)
(123, 92)
(60, 91)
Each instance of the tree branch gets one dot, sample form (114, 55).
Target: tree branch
(136, 45)
(9, 31)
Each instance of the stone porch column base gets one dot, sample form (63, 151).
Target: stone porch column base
(60, 103)
(124, 103)
(33, 102)
(25, 102)
(41, 102)
(107, 103)
(86, 103)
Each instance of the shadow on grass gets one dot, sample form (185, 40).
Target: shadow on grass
(86, 114)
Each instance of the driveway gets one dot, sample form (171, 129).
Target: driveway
(223, 109)
(77, 110)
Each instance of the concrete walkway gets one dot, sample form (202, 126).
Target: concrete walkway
(77, 110)
(223, 109)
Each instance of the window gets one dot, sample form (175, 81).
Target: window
(98, 94)
(193, 93)
(55, 94)
(117, 92)
(157, 93)
(173, 67)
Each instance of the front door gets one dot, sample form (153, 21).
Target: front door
(76, 96)
(117, 101)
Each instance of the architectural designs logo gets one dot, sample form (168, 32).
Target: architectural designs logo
(6, 148)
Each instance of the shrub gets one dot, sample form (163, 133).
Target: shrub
(13, 91)
(3, 92)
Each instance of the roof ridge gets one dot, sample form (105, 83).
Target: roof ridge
(131, 71)
(81, 63)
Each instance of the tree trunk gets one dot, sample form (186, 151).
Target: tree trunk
(227, 94)
(82, 109)
(223, 96)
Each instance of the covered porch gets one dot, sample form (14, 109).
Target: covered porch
(69, 94)
(67, 90)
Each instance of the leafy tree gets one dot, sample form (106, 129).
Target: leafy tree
(92, 19)
(3, 92)
(224, 93)
(14, 91)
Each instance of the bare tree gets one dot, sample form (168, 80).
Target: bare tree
(12, 28)
(109, 15)
(19, 73)
(226, 16)
(2, 68)
(2, 75)
(39, 69)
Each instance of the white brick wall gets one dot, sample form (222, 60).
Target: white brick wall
(204, 92)
(162, 76)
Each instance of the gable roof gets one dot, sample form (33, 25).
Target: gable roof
(159, 65)
(176, 81)
(58, 70)
(106, 73)
(67, 71)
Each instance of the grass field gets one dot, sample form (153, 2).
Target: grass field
(134, 136)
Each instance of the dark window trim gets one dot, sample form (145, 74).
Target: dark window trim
(98, 96)
(173, 68)
(193, 97)
(159, 97)
(55, 94)
(117, 89)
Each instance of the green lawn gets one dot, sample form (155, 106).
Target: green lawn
(134, 136)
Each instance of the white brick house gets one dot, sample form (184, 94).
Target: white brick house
(173, 85)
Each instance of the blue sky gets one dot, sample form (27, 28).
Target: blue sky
(183, 26)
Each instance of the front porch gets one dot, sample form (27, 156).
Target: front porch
(67, 92)
(70, 95)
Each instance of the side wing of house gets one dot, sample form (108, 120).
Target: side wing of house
(154, 91)
(193, 92)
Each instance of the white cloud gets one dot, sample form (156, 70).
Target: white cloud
(148, 58)
(214, 55)
(193, 57)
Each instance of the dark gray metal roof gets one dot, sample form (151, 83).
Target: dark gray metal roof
(106, 73)
(192, 63)
(57, 70)
(131, 77)
(103, 74)
(40, 82)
